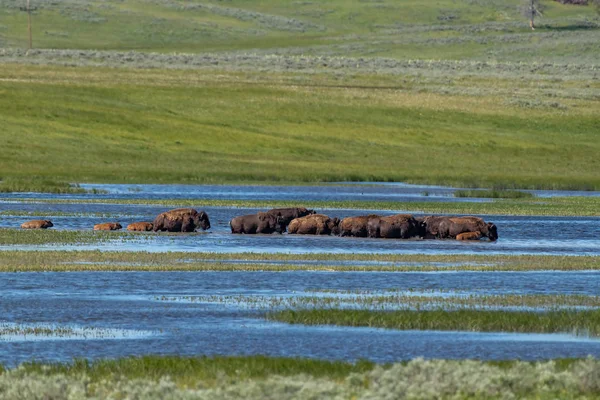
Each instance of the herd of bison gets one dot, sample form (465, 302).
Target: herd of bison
(307, 222)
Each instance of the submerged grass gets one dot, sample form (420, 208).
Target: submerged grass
(24, 260)
(583, 323)
(553, 206)
(494, 194)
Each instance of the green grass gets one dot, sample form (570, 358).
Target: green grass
(120, 125)
(555, 206)
(559, 321)
(22, 261)
(186, 370)
(39, 185)
(494, 194)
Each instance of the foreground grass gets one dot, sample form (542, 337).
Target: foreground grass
(165, 126)
(32, 261)
(260, 377)
(554, 206)
(560, 321)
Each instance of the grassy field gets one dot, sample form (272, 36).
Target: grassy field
(22, 261)
(272, 92)
(560, 321)
(261, 377)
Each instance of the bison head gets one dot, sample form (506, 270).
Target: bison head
(48, 223)
(334, 226)
(201, 220)
(492, 231)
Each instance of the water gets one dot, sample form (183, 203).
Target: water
(124, 305)
(127, 302)
(518, 235)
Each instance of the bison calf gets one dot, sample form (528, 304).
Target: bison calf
(315, 224)
(469, 236)
(108, 226)
(140, 226)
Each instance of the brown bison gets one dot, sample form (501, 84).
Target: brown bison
(399, 226)
(257, 223)
(37, 224)
(356, 226)
(288, 214)
(181, 220)
(140, 226)
(430, 225)
(314, 224)
(108, 226)
(457, 225)
(469, 236)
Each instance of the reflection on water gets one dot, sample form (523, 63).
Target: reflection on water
(126, 301)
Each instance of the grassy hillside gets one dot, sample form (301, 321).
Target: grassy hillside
(443, 92)
(129, 125)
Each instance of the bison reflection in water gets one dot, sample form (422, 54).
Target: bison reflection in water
(257, 223)
(315, 224)
(181, 220)
(108, 226)
(37, 224)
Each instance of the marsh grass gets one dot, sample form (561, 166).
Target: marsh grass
(494, 194)
(22, 260)
(40, 186)
(49, 236)
(553, 206)
(584, 323)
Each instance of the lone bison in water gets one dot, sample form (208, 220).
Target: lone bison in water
(289, 214)
(108, 226)
(37, 224)
(469, 236)
(399, 226)
(181, 220)
(356, 226)
(257, 223)
(140, 226)
(314, 224)
(457, 225)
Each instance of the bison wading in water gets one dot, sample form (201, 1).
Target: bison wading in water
(37, 224)
(457, 225)
(140, 226)
(181, 220)
(356, 226)
(430, 225)
(314, 224)
(289, 214)
(257, 223)
(400, 226)
(108, 226)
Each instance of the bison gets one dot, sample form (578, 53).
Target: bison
(430, 225)
(314, 224)
(181, 220)
(356, 226)
(140, 226)
(257, 223)
(399, 226)
(108, 226)
(469, 236)
(37, 224)
(457, 225)
(289, 214)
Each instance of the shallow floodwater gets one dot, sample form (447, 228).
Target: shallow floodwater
(131, 302)
(518, 235)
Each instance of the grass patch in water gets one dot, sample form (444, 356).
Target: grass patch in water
(554, 206)
(583, 323)
(42, 185)
(51, 236)
(494, 194)
(51, 260)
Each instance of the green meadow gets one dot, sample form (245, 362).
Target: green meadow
(271, 92)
